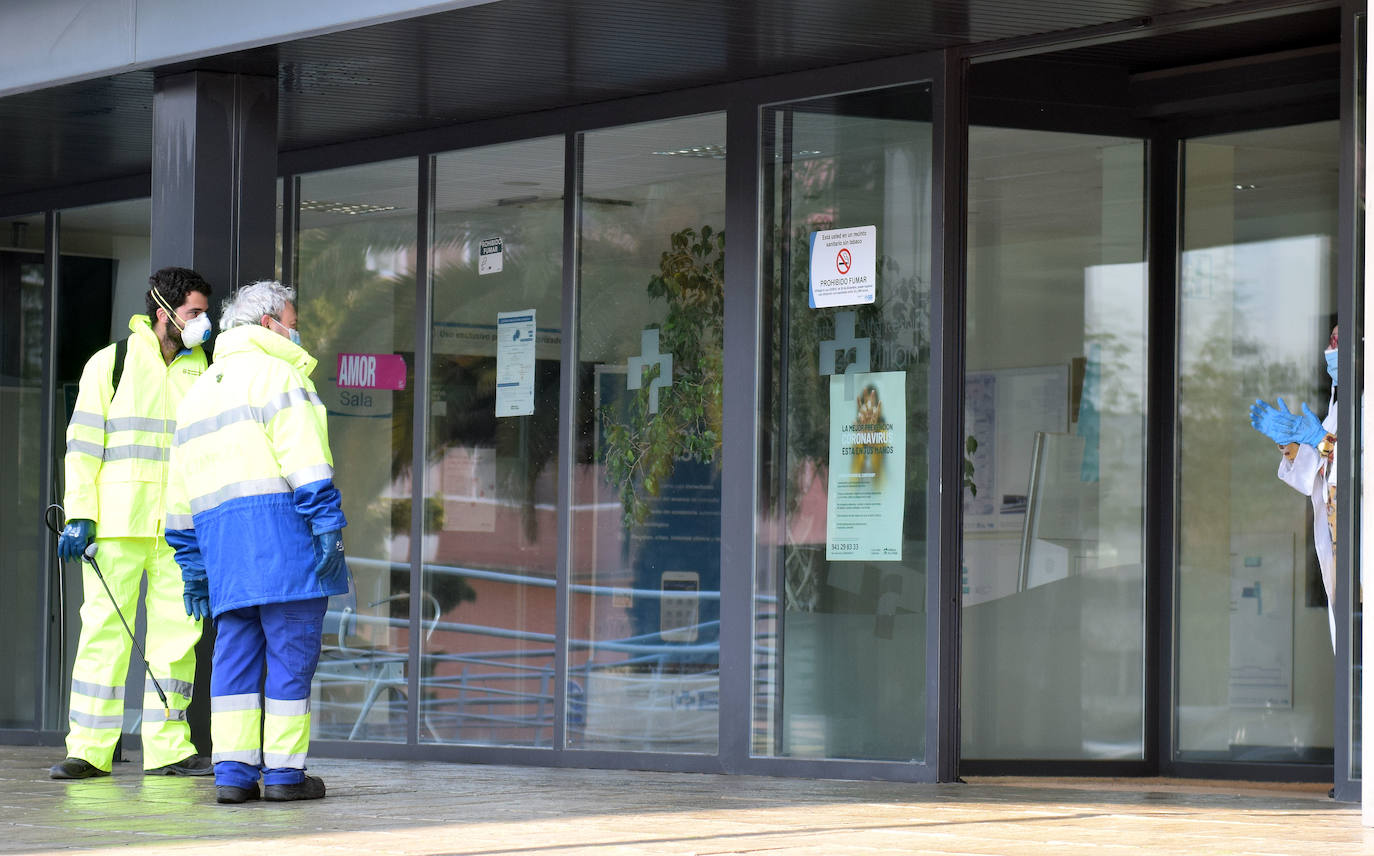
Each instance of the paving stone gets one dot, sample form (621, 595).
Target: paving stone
(394, 808)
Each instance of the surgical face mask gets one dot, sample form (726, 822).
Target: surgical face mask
(1331, 361)
(291, 332)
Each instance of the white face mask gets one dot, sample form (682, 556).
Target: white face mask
(196, 332)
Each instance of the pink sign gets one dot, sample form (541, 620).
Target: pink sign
(372, 371)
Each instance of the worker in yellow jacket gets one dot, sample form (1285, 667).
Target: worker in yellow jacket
(118, 445)
(257, 524)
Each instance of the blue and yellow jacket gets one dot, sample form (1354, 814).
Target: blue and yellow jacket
(252, 478)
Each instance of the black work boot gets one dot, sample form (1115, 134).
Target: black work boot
(231, 795)
(310, 789)
(191, 765)
(75, 768)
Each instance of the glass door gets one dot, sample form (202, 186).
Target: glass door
(1053, 641)
(1254, 668)
(842, 619)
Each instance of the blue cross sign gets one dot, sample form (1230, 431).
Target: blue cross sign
(649, 356)
(843, 341)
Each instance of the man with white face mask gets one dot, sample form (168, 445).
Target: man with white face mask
(118, 446)
(1308, 465)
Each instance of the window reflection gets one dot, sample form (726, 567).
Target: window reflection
(355, 277)
(1053, 574)
(644, 654)
(491, 537)
(1257, 304)
(839, 608)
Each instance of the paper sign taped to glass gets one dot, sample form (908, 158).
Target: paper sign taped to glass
(866, 497)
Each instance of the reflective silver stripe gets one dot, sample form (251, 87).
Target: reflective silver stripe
(140, 423)
(290, 398)
(180, 521)
(231, 703)
(134, 450)
(211, 424)
(246, 413)
(238, 490)
(90, 690)
(88, 419)
(275, 761)
(95, 723)
(316, 473)
(252, 757)
(157, 713)
(95, 450)
(171, 685)
(294, 707)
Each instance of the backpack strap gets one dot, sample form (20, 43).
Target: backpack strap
(117, 371)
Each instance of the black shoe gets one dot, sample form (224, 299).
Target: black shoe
(191, 765)
(310, 789)
(75, 768)
(231, 795)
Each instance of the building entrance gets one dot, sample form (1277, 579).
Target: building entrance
(1140, 592)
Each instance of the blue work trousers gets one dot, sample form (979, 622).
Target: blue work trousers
(261, 724)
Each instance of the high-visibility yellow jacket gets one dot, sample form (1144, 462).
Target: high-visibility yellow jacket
(117, 445)
(252, 477)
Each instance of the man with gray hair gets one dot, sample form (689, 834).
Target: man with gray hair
(256, 522)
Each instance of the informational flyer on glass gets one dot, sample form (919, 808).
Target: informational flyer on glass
(867, 494)
(515, 363)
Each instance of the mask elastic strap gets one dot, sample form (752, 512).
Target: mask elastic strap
(171, 313)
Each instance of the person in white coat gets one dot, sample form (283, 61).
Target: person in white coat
(1308, 465)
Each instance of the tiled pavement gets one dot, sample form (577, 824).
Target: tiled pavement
(418, 809)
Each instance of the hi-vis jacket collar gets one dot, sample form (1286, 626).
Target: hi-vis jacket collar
(254, 338)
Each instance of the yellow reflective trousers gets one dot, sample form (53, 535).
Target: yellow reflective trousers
(102, 655)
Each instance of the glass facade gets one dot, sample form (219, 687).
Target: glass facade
(354, 266)
(524, 356)
(840, 615)
(1256, 311)
(644, 587)
(1053, 571)
(490, 520)
(23, 293)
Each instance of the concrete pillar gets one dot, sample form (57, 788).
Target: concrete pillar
(214, 176)
(215, 211)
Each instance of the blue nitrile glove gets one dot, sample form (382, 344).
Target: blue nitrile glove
(1277, 423)
(1312, 430)
(75, 536)
(195, 593)
(329, 554)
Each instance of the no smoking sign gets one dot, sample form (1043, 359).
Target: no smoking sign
(844, 267)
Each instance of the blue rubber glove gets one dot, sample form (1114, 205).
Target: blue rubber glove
(196, 596)
(1284, 426)
(75, 536)
(1277, 423)
(1312, 430)
(329, 555)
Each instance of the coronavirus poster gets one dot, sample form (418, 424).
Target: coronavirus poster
(867, 489)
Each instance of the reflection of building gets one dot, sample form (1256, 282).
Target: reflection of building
(1084, 224)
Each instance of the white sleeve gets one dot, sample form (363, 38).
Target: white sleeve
(1301, 472)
